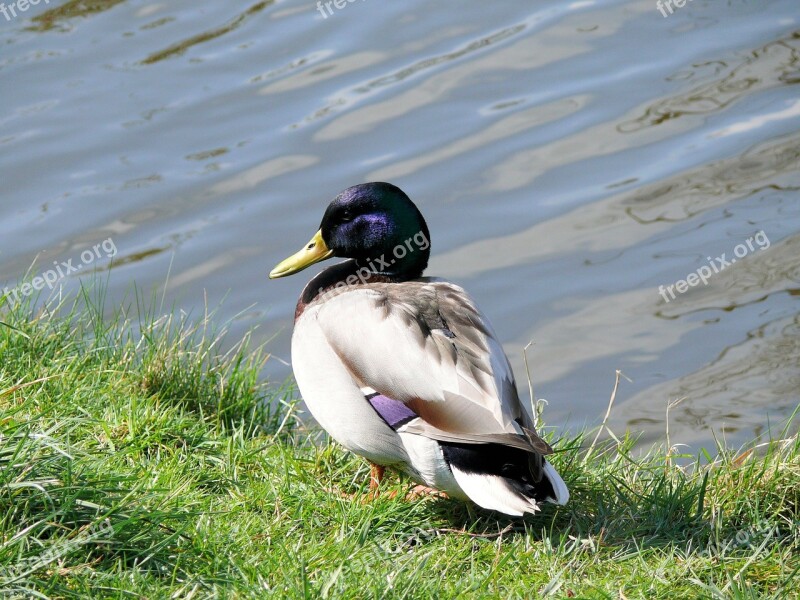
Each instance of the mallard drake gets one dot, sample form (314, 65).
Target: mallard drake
(405, 370)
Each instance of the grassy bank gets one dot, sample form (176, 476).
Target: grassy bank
(136, 461)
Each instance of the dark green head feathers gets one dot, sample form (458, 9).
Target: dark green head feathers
(374, 223)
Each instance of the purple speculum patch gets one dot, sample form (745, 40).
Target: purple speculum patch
(393, 412)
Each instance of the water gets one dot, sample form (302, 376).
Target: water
(570, 158)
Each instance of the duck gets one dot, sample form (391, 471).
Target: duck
(404, 369)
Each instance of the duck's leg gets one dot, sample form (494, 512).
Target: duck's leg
(376, 473)
(422, 491)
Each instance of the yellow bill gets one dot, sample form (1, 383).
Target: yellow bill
(314, 252)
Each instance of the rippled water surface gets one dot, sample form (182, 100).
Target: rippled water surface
(570, 158)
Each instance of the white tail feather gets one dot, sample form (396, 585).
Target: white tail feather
(493, 493)
(560, 488)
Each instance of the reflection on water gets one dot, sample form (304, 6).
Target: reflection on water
(59, 16)
(570, 157)
(179, 48)
(725, 82)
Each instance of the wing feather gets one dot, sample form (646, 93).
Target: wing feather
(426, 344)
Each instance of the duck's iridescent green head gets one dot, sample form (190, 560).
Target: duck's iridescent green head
(374, 223)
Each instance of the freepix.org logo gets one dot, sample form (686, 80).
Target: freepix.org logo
(12, 9)
(666, 5)
(326, 8)
(382, 263)
(714, 266)
(49, 278)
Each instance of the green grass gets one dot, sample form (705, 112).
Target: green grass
(136, 460)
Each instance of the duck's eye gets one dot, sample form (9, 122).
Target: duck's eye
(347, 216)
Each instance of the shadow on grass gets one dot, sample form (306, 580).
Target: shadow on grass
(619, 501)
